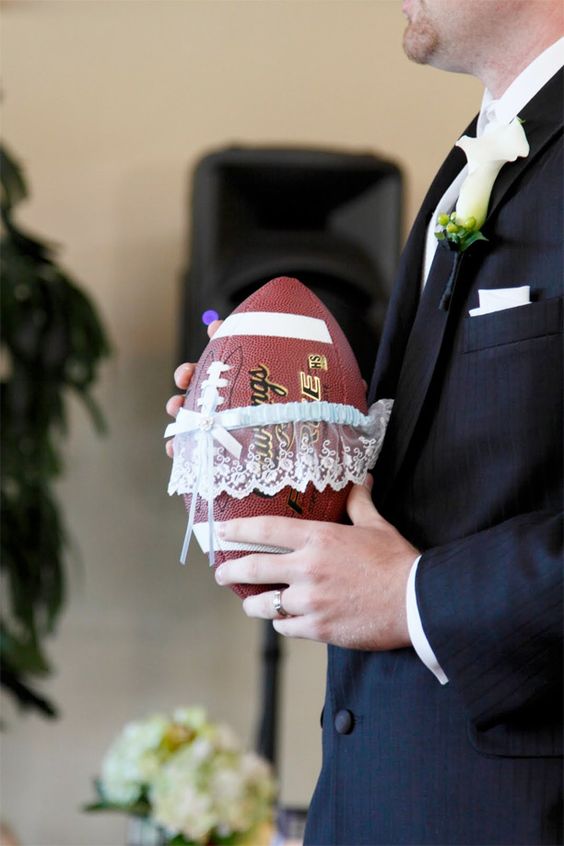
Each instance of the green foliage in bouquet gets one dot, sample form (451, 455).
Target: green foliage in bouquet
(52, 341)
(190, 778)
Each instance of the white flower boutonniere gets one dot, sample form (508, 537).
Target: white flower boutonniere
(486, 156)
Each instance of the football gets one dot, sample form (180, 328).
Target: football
(281, 345)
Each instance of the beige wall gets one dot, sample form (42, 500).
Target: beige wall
(108, 103)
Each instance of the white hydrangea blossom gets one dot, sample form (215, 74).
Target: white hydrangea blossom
(133, 759)
(225, 739)
(192, 718)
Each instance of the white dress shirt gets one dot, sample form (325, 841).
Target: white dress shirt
(492, 112)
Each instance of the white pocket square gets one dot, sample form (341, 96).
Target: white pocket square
(498, 299)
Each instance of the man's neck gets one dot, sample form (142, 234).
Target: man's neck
(498, 73)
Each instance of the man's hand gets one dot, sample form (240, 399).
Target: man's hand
(182, 378)
(346, 584)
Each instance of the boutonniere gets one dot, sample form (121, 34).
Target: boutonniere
(486, 156)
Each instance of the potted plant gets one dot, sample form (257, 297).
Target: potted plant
(52, 342)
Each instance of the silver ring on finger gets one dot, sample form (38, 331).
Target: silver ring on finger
(277, 602)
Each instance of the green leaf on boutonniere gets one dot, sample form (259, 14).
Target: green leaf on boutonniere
(471, 239)
(458, 237)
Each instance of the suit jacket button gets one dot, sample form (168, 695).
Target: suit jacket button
(344, 721)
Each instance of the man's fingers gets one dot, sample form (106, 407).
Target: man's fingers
(213, 327)
(256, 569)
(183, 374)
(262, 604)
(283, 532)
(174, 404)
(295, 627)
(298, 624)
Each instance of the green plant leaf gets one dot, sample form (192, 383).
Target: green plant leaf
(25, 654)
(26, 697)
(14, 188)
(135, 810)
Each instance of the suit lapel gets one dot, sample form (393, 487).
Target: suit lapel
(414, 334)
(542, 120)
(420, 360)
(406, 293)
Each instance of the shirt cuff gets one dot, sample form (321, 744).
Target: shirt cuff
(418, 638)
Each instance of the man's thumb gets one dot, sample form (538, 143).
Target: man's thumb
(360, 507)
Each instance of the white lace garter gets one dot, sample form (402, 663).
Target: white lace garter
(268, 447)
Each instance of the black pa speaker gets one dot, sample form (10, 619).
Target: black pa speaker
(331, 219)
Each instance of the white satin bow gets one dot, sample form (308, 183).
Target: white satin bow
(207, 428)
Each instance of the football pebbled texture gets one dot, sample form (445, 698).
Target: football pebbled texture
(269, 366)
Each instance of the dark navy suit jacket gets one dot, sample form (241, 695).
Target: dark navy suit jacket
(471, 474)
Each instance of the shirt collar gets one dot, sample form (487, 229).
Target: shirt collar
(522, 89)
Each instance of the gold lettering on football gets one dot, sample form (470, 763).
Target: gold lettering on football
(261, 386)
(310, 386)
(316, 361)
(262, 389)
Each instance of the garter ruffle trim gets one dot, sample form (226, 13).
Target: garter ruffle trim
(266, 448)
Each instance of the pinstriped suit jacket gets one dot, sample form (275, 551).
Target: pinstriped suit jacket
(471, 474)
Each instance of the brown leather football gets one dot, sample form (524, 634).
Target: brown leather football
(281, 345)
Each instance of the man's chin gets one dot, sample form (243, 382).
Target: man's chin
(420, 42)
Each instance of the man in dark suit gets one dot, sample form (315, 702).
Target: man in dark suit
(443, 608)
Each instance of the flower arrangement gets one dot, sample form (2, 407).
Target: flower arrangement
(190, 777)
